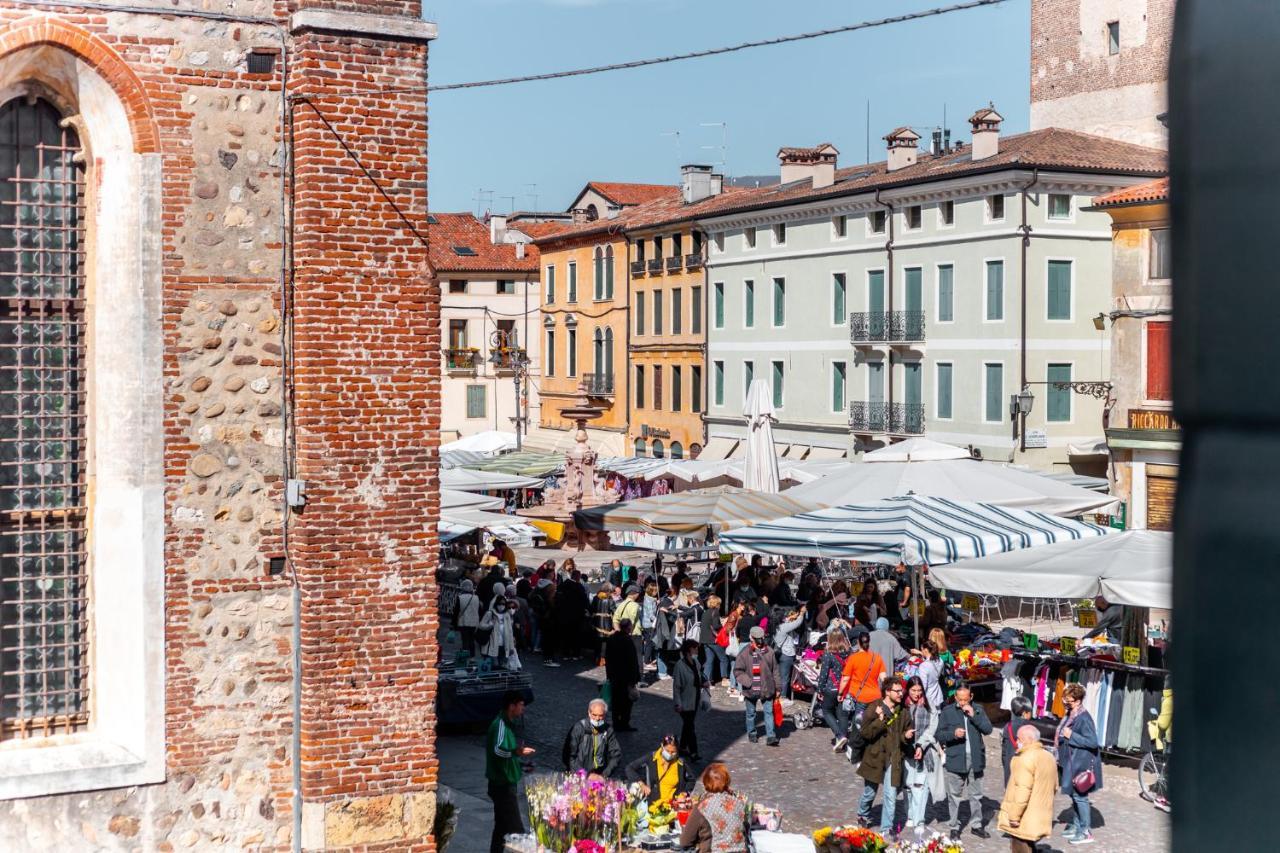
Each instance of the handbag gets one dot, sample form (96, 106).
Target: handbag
(704, 699)
(1084, 781)
(777, 712)
(722, 637)
(735, 646)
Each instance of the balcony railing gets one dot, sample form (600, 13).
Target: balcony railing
(637, 267)
(461, 359)
(869, 416)
(673, 264)
(693, 262)
(508, 359)
(598, 384)
(655, 266)
(906, 419)
(886, 327)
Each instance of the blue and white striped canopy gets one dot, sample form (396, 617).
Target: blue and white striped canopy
(912, 529)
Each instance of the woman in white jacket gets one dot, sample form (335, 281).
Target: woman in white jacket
(924, 725)
(497, 620)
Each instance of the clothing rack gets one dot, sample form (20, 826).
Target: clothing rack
(1087, 662)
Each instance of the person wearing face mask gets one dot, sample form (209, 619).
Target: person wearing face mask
(961, 729)
(498, 621)
(757, 674)
(591, 744)
(661, 774)
(686, 692)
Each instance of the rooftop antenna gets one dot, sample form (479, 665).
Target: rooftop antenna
(481, 197)
(533, 194)
(723, 147)
(676, 134)
(511, 202)
(867, 130)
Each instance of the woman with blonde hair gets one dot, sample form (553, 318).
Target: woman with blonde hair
(829, 671)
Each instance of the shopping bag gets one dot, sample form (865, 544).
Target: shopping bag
(777, 712)
(606, 692)
(704, 699)
(722, 637)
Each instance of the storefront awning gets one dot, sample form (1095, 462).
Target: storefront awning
(718, 448)
(816, 453)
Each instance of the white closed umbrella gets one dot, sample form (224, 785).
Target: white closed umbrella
(760, 471)
(916, 450)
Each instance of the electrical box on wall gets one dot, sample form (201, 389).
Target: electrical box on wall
(295, 493)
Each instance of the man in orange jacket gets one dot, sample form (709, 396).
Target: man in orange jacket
(860, 686)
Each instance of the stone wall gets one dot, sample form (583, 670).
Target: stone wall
(228, 621)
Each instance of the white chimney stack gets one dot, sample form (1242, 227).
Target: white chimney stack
(698, 183)
(903, 148)
(986, 132)
(817, 164)
(497, 229)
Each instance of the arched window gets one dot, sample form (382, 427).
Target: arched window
(677, 451)
(608, 352)
(597, 363)
(640, 447)
(658, 452)
(44, 611)
(598, 274)
(608, 272)
(593, 213)
(695, 450)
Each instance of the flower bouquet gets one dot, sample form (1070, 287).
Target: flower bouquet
(935, 843)
(848, 839)
(571, 812)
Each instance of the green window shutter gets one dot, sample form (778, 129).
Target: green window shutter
(748, 376)
(573, 283)
(695, 388)
(551, 284)
(476, 407)
(944, 390)
(777, 385)
(640, 313)
(597, 279)
(719, 306)
(677, 312)
(608, 276)
(779, 302)
(995, 290)
(1058, 407)
(1059, 296)
(718, 380)
(838, 301)
(749, 300)
(995, 393)
(946, 294)
(695, 307)
(657, 312)
(837, 386)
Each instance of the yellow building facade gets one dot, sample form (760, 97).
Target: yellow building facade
(667, 349)
(584, 334)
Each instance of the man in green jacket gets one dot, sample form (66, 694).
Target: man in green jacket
(502, 754)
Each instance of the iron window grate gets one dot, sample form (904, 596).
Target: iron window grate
(43, 428)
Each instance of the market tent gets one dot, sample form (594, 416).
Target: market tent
(454, 499)
(462, 458)
(760, 471)
(957, 479)
(648, 468)
(466, 480)
(488, 442)
(916, 450)
(691, 513)
(913, 529)
(526, 463)
(515, 531)
(1134, 567)
(718, 448)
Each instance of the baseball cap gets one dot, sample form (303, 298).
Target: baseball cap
(757, 633)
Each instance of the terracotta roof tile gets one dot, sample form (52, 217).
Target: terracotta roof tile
(460, 243)
(632, 194)
(537, 229)
(1152, 191)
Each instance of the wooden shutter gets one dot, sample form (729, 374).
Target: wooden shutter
(1161, 492)
(1159, 374)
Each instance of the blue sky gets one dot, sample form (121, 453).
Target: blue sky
(560, 134)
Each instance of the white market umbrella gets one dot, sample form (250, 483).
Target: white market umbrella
(916, 450)
(956, 479)
(488, 442)
(1134, 567)
(760, 469)
(453, 499)
(514, 531)
(691, 513)
(467, 480)
(911, 529)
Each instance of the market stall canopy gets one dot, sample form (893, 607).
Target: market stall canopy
(526, 463)
(488, 442)
(1134, 567)
(462, 458)
(690, 513)
(454, 499)
(718, 448)
(647, 468)
(466, 480)
(913, 529)
(560, 441)
(513, 530)
(956, 479)
(916, 450)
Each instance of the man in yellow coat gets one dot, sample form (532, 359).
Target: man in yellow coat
(1026, 815)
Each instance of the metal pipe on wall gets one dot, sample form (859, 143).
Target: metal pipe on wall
(1025, 228)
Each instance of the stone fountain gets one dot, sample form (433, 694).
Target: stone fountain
(579, 489)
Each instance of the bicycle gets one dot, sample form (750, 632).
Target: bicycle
(1153, 773)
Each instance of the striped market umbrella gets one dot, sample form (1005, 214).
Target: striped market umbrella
(691, 513)
(911, 529)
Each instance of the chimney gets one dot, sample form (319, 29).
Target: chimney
(817, 164)
(986, 132)
(580, 215)
(698, 183)
(497, 229)
(903, 148)
(936, 147)
(520, 251)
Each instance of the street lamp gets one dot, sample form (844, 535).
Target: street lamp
(1019, 407)
(504, 356)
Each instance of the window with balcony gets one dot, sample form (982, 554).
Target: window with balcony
(695, 310)
(947, 213)
(839, 315)
(1059, 206)
(717, 290)
(946, 293)
(779, 303)
(477, 402)
(677, 310)
(1160, 262)
(748, 303)
(639, 250)
(1058, 295)
(1058, 397)
(717, 383)
(457, 334)
(677, 243)
(994, 296)
(657, 251)
(695, 388)
(677, 389)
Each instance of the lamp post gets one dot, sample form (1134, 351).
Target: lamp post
(1020, 404)
(504, 356)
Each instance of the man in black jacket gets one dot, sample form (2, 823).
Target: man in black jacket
(569, 609)
(961, 729)
(661, 771)
(591, 745)
(686, 693)
(622, 669)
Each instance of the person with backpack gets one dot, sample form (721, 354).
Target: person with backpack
(666, 639)
(591, 744)
(466, 615)
(602, 609)
(830, 670)
(860, 687)
(787, 638)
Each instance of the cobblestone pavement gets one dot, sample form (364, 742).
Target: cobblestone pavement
(803, 777)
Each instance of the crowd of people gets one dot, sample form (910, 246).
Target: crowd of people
(743, 629)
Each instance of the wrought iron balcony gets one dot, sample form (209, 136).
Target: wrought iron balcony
(693, 262)
(867, 327)
(906, 419)
(598, 384)
(865, 416)
(508, 359)
(655, 266)
(637, 268)
(461, 359)
(674, 264)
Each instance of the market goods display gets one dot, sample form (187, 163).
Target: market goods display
(857, 839)
(567, 809)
